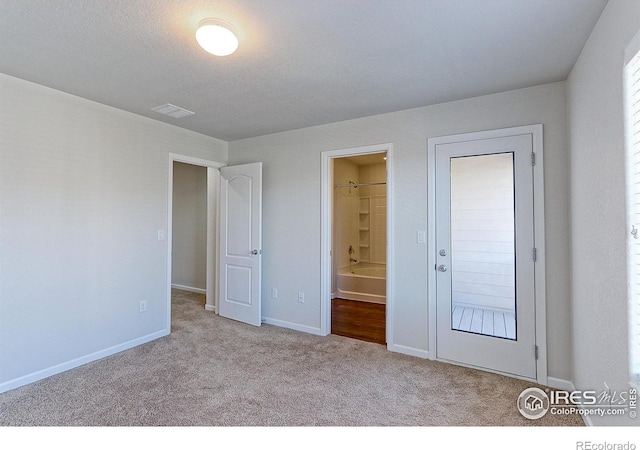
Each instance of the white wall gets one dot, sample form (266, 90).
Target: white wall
(189, 257)
(83, 193)
(291, 217)
(595, 115)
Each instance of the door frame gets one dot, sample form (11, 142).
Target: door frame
(213, 191)
(539, 236)
(326, 235)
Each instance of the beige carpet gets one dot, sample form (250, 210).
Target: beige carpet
(213, 371)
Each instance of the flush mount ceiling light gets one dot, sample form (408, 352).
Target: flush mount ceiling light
(216, 37)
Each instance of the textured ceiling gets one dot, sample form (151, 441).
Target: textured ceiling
(300, 62)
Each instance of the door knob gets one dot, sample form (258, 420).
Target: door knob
(442, 268)
(254, 252)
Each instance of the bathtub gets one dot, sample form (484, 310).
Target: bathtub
(366, 282)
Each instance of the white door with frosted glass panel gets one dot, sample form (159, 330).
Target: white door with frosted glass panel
(241, 243)
(485, 266)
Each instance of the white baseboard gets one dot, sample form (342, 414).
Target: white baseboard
(188, 289)
(293, 326)
(567, 385)
(560, 383)
(210, 308)
(411, 351)
(72, 364)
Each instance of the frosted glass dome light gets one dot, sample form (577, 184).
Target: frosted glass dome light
(216, 37)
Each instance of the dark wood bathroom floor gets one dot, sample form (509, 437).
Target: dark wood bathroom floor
(359, 320)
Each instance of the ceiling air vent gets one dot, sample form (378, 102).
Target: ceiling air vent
(172, 111)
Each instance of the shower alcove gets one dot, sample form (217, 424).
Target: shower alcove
(359, 228)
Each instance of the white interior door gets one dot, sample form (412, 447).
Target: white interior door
(485, 254)
(241, 242)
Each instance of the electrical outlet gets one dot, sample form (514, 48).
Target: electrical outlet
(143, 306)
(274, 293)
(300, 297)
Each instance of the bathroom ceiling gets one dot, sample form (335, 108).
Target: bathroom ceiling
(368, 159)
(299, 64)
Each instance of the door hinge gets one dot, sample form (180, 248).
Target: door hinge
(535, 351)
(535, 254)
(533, 159)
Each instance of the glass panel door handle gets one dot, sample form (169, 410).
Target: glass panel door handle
(442, 268)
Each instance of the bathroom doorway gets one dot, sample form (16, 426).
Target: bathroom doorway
(356, 219)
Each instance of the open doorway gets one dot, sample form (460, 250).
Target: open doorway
(356, 235)
(189, 225)
(195, 226)
(359, 257)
